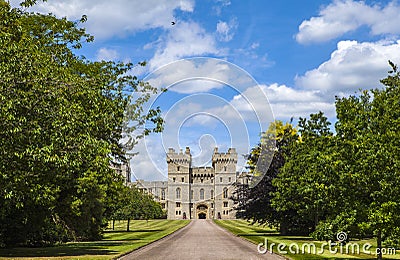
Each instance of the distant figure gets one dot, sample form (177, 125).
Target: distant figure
(173, 23)
(184, 215)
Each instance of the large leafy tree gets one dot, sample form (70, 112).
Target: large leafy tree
(264, 163)
(369, 144)
(306, 182)
(61, 120)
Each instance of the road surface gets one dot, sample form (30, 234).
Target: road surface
(200, 239)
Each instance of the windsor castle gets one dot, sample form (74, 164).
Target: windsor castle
(196, 192)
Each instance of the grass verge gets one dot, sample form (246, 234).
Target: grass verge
(260, 234)
(115, 243)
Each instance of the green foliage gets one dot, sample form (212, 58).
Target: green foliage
(305, 183)
(343, 222)
(136, 204)
(254, 203)
(344, 182)
(368, 130)
(61, 120)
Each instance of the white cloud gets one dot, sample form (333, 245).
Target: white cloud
(150, 162)
(344, 16)
(199, 75)
(106, 54)
(288, 102)
(254, 45)
(117, 17)
(220, 5)
(352, 66)
(285, 102)
(183, 40)
(225, 30)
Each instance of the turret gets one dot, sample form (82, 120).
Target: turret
(224, 162)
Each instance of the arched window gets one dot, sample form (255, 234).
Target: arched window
(202, 194)
(163, 194)
(225, 195)
(212, 194)
(178, 193)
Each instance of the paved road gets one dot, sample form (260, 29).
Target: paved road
(201, 239)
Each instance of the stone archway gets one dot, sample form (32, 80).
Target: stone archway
(202, 211)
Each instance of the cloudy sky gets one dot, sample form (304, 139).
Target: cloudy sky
(271, 59)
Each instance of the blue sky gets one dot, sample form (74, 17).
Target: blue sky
(301, 54)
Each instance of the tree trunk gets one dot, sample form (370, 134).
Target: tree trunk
(127, 225)
(113, 224)
(379, 244)
(283, 230)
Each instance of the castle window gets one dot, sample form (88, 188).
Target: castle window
(229, 179)
(225, 204)
(225, 195)
(202, 194)
(178, 193)
(183, 179)
(178, 204)
(212, 205)
(178, 168)
(220, 179)
(201, 180)
(163, 194)
(225, 168)
(212, 194)
(212, 180)
(173, 179)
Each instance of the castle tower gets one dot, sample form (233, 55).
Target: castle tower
(179, 165)
(224, 165)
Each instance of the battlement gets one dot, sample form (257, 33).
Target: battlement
(179, 158)
(207, 169)
(229, 157)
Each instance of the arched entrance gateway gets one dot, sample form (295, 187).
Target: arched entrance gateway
(202, 211)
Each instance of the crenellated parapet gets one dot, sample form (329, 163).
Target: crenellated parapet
(229, 158)
(179, 158)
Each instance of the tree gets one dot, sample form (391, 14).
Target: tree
(368, 130)
(306, 182)
(135, 204)
(254, 203)
(61, 119)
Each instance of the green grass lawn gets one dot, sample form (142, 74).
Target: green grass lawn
(257, 234)
(116, 242)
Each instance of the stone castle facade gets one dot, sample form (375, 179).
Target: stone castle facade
(196, 192)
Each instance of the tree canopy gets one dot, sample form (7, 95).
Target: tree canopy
(61, 119)
(343, 180)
